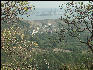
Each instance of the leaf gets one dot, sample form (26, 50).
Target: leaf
(22, 36)
(81, 3)
(2, 4)
(91, 42)
(25, 8)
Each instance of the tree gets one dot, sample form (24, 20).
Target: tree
(79, 19)
(14, 46)
(14, 42)
(10, 10)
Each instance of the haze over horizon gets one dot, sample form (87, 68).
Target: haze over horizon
(49, 4)
(46, 4)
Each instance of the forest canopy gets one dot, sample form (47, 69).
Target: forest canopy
(49, 44)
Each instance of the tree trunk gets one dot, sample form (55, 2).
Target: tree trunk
(91, 39)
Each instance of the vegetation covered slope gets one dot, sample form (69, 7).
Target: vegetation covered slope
(36, 45)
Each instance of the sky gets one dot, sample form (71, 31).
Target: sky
(48, 4)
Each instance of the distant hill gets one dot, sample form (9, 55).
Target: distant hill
(43, 13)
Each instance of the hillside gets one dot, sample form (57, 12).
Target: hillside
(36, 45)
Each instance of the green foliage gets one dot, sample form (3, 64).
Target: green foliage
(78, 17)
(23, 50)
(27, 52)
(10, 10)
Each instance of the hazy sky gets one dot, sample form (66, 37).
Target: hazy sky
(48, 4)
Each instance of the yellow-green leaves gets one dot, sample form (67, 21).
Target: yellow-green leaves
(13, 9)
(22, 3)
(2, 4)
(26, 8)
(22, 36)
